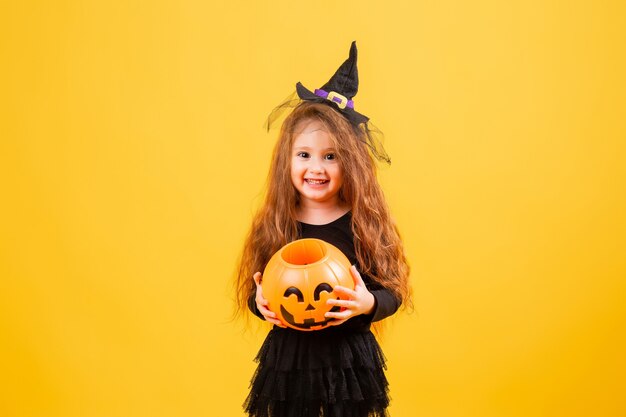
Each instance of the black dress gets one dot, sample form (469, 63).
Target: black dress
(334, 372)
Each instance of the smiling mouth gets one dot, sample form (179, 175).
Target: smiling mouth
(315, 182)
(308, 323)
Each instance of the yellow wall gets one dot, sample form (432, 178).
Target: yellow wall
(132, 156)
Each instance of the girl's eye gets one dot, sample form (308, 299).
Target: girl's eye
(330, 156)
(303, 154)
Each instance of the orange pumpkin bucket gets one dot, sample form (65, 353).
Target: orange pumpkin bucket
(300, 278)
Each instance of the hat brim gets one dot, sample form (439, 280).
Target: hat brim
(352, 115)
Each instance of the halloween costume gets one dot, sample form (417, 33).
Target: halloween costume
(338, 92)
(337, 371)
(334, 372)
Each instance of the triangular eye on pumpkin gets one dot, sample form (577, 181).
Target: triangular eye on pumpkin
(299, 279)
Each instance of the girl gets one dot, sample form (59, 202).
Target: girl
(322, 184)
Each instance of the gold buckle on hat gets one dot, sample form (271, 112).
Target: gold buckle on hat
(344, 100)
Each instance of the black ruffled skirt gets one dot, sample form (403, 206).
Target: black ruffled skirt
(329, 373)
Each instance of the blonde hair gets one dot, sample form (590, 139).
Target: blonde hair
(377, 242)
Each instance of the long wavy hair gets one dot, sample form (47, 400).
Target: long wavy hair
(378, 246)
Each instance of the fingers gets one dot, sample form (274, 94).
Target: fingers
(350, 304)
(257, 278)
(349, 309)
(259, 290)
(358, 280)
(345, 292)
(275, 321)
(337, 322)
(262, 303)
(353, 302)
(269, 315)
(340, 315)
(260, 300)
(264, 310)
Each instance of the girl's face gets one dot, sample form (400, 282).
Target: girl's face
(315, 171)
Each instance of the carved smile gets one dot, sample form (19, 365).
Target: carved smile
(308, 323)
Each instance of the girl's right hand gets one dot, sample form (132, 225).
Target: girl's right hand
(261, 303)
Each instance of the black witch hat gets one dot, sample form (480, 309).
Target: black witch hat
(338, 92)
(340, 89)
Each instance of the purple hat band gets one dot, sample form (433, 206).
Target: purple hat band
(341, 101)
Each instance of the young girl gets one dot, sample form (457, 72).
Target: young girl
(322, 184)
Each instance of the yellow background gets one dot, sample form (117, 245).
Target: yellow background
(132, 158)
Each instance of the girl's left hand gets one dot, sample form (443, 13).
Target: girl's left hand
(359, 300)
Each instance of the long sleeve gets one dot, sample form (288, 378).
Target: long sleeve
(386, 304)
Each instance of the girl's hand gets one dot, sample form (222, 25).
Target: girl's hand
(359, 300)
(261, 303)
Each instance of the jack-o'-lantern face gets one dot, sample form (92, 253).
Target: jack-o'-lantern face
(299, 280)
(316, 307)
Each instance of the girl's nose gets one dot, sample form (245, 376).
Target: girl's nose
(316, 168)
